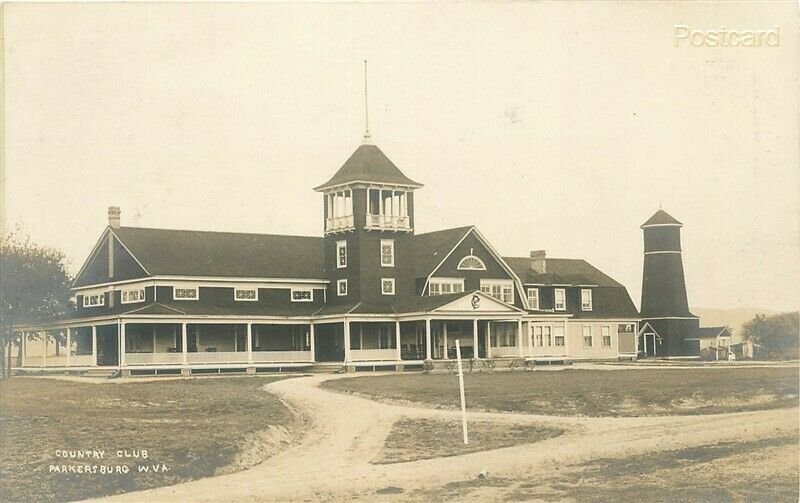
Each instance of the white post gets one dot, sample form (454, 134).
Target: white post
(475, 338)
(444, 342)
(249, 343)
(397, 339)
(122, 344)
(44, 349)
(346, 341)
(428, 338)
(94, 344)
(24, 343)
(311, 342)
(461, 391)
(184, 343)
(520, 352)
(488, 339)
(69, 346)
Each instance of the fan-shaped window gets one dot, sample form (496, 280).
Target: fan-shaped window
(471, 263)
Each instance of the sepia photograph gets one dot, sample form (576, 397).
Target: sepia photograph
(400, 251)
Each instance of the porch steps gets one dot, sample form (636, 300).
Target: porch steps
(102, 373)
(326, 368)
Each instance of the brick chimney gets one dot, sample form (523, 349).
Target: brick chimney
(538, 262)
(113, 217)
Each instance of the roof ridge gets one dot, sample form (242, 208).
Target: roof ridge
(215, 232)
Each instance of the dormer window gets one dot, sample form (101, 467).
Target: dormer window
(302, 295)
(184, 293)
(533, 298)
(560, 299)
(132, 296)
(471, 263)
(94, 300)
(245, 294)
(586, 299)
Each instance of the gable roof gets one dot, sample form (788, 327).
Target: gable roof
(712, 332)
(561, 271)
(661, 217)
(431, 248)
(168, 252)
(368, 164)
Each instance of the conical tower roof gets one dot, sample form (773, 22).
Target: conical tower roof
(661, 217)
(370, 165)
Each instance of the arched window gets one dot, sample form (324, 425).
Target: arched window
(471, 263)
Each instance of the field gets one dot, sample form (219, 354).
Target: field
(593, 393)
(413, 439)
(188, 428)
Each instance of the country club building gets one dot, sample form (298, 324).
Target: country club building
(370, 292)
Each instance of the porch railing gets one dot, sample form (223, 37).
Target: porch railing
(373, 354)
(388, 222)
(152, 358)
(281, 356)
(339, 223)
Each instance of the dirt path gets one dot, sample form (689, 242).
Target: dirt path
(331, 463)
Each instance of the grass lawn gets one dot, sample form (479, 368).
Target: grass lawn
(413, 439)
(192, 427)
(575, 392)
(764, 470)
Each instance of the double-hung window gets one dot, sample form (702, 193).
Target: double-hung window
(341, 287)
(387, 252)
(605, 333)
(558, 335)
(586, 299)
(533, 298)
(587, 336)
(560, 299)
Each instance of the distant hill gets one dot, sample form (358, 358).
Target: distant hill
(734, 318)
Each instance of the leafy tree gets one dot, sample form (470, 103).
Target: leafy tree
(34, 286)
(778, 335)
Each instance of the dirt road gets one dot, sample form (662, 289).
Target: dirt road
(332, 461)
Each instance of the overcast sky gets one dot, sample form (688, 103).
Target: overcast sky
(557, 126)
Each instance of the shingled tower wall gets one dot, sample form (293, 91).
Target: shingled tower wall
(664, 302)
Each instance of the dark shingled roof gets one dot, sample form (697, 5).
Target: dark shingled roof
(661, 217)
(707, 332)
(431, 248)
(368, 164)
(224, 254)
(560, 271)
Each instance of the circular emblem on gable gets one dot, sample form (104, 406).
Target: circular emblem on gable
(476, 301)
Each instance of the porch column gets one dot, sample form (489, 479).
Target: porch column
(520, 352)
(311, 345)
(249, 344)
(397, 339)
(122, 344)
(444, 341)
(428, 355)
(488, 339)
(24, 346)
(44, 348)
(69, 346)
(94, 344)
(475, 337)
(184, 342)
(346, 341)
